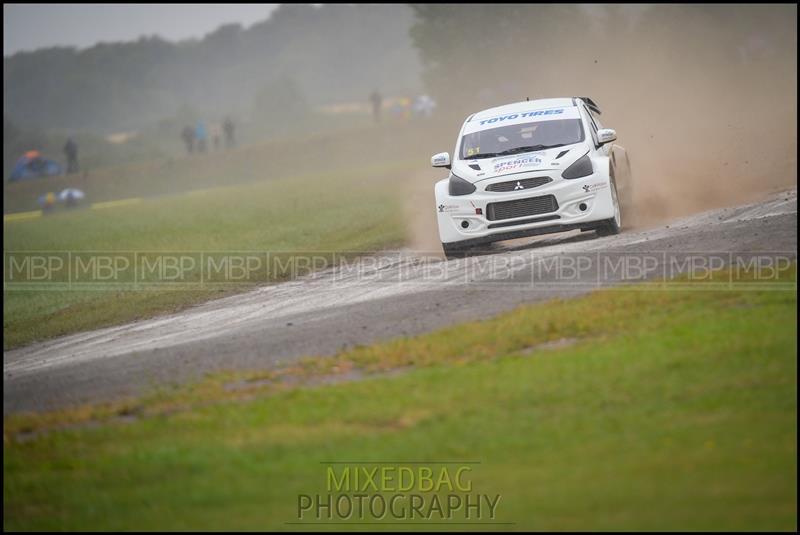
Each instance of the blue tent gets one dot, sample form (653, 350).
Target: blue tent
(33, 165)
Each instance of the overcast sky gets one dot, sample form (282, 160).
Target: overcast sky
(28, 27)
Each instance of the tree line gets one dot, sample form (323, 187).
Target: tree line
(327, 54)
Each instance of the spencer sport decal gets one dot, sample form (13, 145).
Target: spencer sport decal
(517, 163)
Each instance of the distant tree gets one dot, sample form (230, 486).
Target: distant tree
(719, 34)
(280, 105)
(333, 52)
(502, 48)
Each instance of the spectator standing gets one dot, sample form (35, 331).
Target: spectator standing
(71, 151)
(201, 136)
(215, 135)
(228, 128)
(377, 102)
(187, 134)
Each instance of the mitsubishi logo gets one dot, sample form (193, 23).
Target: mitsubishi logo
(518, 186)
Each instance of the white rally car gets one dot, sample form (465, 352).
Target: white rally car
(528, 168)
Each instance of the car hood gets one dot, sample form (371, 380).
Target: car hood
(557, 159)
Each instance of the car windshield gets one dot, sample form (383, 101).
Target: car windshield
(518, 138)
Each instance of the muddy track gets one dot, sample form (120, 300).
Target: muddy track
(394, 294)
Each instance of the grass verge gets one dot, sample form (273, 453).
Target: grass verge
(629, 410)
(299, 213)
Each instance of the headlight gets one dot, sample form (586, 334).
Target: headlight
(582, 167)
(459, 186)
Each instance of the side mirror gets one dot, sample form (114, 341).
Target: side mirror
(606, 135)
(441, 160)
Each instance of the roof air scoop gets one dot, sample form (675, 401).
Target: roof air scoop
(591, 105)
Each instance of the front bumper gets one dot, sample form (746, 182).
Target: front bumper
(580, 203)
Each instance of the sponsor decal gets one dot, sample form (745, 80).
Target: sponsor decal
(439, 160)
(512, 116)
(517, 163)
(444, 208)
(588, 188)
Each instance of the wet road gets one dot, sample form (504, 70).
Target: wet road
(393, 294)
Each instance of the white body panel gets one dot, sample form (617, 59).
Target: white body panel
(580, 201)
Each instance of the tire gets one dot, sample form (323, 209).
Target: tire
(613, 225)
(625, 192)
(454, 250)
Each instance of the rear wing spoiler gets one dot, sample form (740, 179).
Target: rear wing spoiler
(591, 105)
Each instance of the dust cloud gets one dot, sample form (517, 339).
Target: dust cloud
(702, 97)
(704, 102)
(419, 208)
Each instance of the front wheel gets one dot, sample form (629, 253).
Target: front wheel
(613, 225)
(454, 250)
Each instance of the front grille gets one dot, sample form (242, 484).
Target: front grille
(521, 207)
(525, 183)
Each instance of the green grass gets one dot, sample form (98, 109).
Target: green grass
(330, 191)
(314, 153)
(316, 212)
(673, 409)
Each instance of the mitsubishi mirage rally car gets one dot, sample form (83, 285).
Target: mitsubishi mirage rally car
(528, 168)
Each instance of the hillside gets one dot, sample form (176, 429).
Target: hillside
(331, 53)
